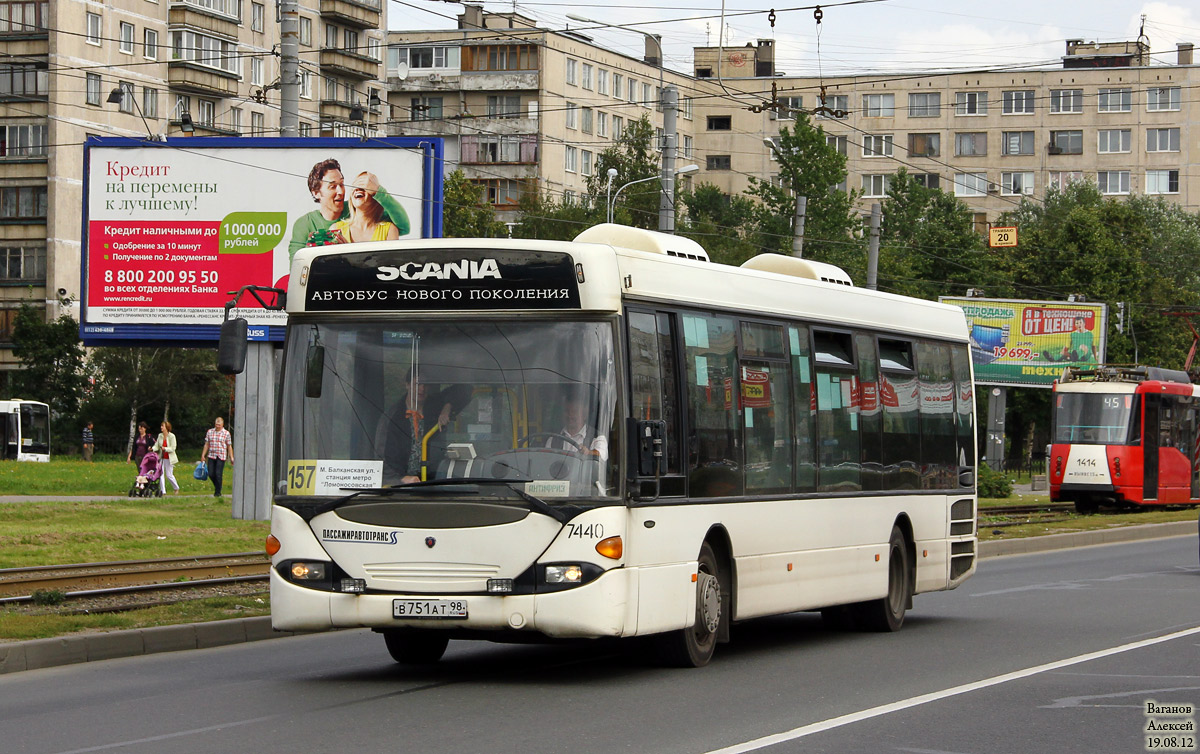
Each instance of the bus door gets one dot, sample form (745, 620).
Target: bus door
(9, 427)
(1152, 441)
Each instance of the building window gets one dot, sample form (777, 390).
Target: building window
(306, 84)
(602, 124)
(24, 15)
(631, 88)
(571, 160)
(206, 111)
(331, 36)
(256, 71)
(503, 192)
(601, 81)
(720, 123)
(688, 147)
(924, 104)
(423, 58)
(970, 103)
(879, 105)
(350, 40)
(719, 162)
(587, 119)
(876, 185)
(837, 143)
(1162, 181)
(787, 108)
(1060, 179)
(1115, 100)
(235, 121)
(258, 126)
(94, 28)
(1018, 103)
(93, 88)
(833, 103)
(499, 148)
(568, 197)
(1114, 140)
(928, 180)
(29, 79)
(971, 144)
(126, 105)
(425, 108)
(1162, 98)
(28, 202)
(586, 161)
(1012, 184)
(924, 145)
(150, 44)
(150, 103)
(202, 49)
(1066, 100)
(1017, 142)
(648, 99)
(500, 58)
(572, 115)
(125, 44)
(1066, 142)
(572, 71)
(258, 17)
(970, 184)
(26, 264)
(585, 79)
(1113, 181)
(1162, 140)
(306, 32)
(618, 126)
(503, 106)
(877, 145)
(306, 129)
(618, 82)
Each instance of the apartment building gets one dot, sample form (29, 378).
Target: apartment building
(146, 69)
(990, 138)
(523, 108)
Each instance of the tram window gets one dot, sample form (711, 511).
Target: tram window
(840, 464)
(767, 426)
(806, 408)
(714, 455)
(964, 403)
(870, 414)
(653, 382)
(938, 446)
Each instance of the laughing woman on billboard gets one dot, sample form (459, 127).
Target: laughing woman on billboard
(366, 222)
(328, 188)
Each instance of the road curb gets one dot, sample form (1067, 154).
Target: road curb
(69, 650)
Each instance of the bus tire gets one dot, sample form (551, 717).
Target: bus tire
(415, 647)
(887, 614)
(693, 647)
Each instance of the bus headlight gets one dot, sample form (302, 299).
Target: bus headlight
(564, 574)
(308, 571)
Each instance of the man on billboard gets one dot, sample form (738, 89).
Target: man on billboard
(327, 185)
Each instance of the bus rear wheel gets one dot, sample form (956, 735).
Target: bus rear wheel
(414, 647)
(693, 647)
(887, 614)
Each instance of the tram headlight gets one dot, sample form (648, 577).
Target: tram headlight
(564, 574)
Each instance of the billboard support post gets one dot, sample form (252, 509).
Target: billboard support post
(997, 403)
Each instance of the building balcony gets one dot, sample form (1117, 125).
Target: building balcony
(361, 14)
(337, 110)
(499, 80)
(202, 19)
(186, 76)
(349, 64)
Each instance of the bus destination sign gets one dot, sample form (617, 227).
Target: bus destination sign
(442, 279)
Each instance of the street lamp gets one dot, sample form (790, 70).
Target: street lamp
(685, 170)
(117, 97)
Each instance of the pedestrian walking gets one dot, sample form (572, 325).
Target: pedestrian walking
(89, 443)
(141, 445)
(218, 448)
(165, 446)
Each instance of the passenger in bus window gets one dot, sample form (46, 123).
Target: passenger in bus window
(576, 428)
(412, 416)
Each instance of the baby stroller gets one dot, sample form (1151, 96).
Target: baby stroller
(146, 484)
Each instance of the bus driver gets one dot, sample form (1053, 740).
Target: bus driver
(576, 428)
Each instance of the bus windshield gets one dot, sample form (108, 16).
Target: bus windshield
(532, 402)
(35, 428)
(1093, 418)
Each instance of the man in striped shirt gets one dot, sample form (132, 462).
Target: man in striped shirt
(218, 447)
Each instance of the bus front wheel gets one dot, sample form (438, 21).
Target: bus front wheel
(887, 614)
(693, 647)
(414, 647)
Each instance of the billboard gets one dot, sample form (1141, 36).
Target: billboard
(171, 228)
(1027, 343)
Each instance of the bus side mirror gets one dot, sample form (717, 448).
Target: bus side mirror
(314, 372)
(231, 350)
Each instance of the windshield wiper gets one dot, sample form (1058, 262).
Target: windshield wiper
(535, 503)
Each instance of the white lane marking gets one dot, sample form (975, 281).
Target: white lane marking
(169, 736)
(916, 701)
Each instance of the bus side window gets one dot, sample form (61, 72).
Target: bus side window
(714, 455)
(654, 385)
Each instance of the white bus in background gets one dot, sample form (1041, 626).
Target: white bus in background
(756, 441)
(25, 428)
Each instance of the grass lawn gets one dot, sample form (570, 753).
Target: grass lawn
(108, 475)
(18, 626)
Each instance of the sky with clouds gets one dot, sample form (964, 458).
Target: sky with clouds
(856, 36)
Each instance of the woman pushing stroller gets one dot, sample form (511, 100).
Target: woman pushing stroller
(164, 447)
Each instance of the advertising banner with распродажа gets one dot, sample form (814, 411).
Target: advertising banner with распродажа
(171, 229)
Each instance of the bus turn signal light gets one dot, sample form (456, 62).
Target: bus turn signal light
(611, 547)
(273, 545)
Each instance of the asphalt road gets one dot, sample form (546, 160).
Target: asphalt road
(1050, 652)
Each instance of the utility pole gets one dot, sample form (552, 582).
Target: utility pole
(873, 248)
(666, 200)
(798, 232)
(289, 68)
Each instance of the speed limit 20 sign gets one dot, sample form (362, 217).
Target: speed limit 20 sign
(1002, 237)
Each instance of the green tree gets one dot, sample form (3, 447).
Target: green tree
(811, 168)
(464, 213)
(545, 219)
(633, 157)
(52, 357)
(721, 223)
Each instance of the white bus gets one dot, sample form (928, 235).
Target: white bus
(25, 427)
(611, 437)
